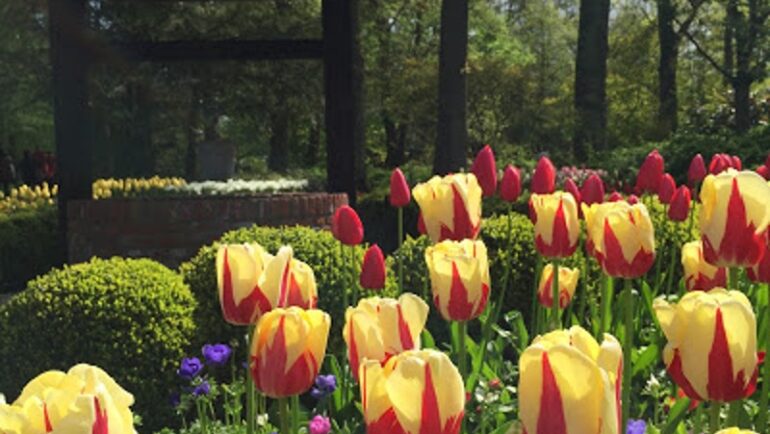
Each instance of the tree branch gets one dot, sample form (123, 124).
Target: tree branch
(685, 25)
(707, 56)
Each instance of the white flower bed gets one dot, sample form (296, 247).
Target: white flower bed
(239, 187)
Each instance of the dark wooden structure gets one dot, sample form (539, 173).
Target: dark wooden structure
(74, 49)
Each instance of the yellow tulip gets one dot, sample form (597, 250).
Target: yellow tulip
(734, 213)
(568, 280)
(11, 419)
(699, 275)
(379, 328)
(712, 344)
(621, 238)
(569, 384)
(414, 392)
(735, 430)
(557, 227)
(84, 400)
(450, 207)
(459, 277)
(287, 350)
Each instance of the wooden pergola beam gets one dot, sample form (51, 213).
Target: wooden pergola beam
(194, 50)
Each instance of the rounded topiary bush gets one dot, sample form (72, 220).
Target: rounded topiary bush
(318, 248)
(132, 317)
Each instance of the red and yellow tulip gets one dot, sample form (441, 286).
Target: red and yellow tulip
(291, 280)
(734, 214)
(557, 227)
(450, 207)
(569, 383)
(415, 392)
(761, 271)
(621, 238)
(712, 344)
(459, 276)
(699, 275)
(379, 328)
(568, 280)
(287, 350)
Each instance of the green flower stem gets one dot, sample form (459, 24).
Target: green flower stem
(606, 313)
(401, 254)
(353, 275)
(715, 409)
(283, 409)
(697, 422)
(295, 413)
(764, 396)
(463, 359)
(535, 311)
(628, 345)
(251, 417)
(670, 272)
(732, 278)
(345, 300)
(555, 304)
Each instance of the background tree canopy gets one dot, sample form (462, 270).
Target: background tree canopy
(520, 80)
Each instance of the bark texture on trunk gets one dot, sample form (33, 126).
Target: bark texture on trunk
(667, 69)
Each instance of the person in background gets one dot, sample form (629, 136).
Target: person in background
(27, 168)
(7, 171)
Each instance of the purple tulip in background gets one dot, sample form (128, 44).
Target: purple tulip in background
(190, 368)
(636, 427)
(325, 385)
(216, 354)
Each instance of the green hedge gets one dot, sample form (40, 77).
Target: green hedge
(317, 248)
(132, 317)
(29, 246)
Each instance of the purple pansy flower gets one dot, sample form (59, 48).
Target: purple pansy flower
(325, 385)
(636, 426)
(189, 368)
(216, 354)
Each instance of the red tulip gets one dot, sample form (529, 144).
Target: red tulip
(616, 197)
(697, 170)
(666, 188)
(761, 271)
(720, 163)
(593, 190)
(764, 171)
(680, 205)
(373, 269)
(400, 194)
(544, 178)
(737, 164)
(347, 227)
(485, 169)
(510, 187)
(650, 173)
(572, 188)
(633, 199)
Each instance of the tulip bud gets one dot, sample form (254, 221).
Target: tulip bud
(379, 328)
(593, 190)
(699, 275)
(736, 163)
(450, 206)
(572, 188)
(459, 277)
(761, 271)
(712, 344)
(734, 213)
(568, 280)
(510, 187)
(680, 204)
(347, 226)
(287, 349)
(239, 270)
(557, 228)
(666, 188)
(373, 269)
(414, 392)
(485, 169)
(621, 237)
(650, 173)
(633, 199)
(697, 170)
(615, 197)
(544, 178)
(400, 195)
(552, 401)
(764, 171)
(720, 163)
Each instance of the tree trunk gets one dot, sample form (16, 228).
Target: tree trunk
(590, 78)
(742, 101)
(278, 159)
(667, 68)
(731, 18)
(359, 96)
(744, 41)
(452, 130)
(395, 142)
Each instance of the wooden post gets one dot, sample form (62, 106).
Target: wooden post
(70, 62)
(343, 112)
(452, 134)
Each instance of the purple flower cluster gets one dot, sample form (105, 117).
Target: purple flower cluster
(636, 427)
(325, 385)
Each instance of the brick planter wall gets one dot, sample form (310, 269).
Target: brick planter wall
(171, 230)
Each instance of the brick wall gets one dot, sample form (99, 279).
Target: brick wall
(171, 230)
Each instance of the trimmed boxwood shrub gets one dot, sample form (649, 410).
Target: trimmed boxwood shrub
(132, 317)
(317, 248)
(29, 245)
